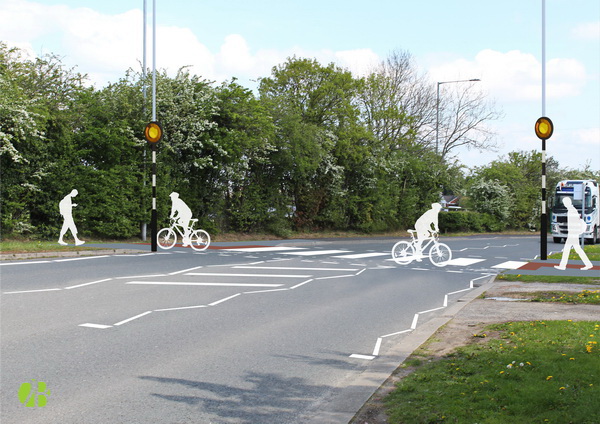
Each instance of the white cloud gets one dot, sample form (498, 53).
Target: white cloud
(105, 46)
(587, 31)
(360, 61)
(516, 76)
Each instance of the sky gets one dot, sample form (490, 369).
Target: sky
(497, 42)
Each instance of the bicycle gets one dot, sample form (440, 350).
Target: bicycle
(198, 239)
(405, 252)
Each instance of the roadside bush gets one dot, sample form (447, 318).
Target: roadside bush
(451, 222)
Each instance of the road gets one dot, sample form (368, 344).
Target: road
(275, 334)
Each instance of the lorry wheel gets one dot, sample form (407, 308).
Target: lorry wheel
(557, 240)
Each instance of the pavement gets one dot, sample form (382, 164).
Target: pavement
(454, 326)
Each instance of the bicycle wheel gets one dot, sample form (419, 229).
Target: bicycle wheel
(403, 253)
(440, 254)
(166, 238)
(200, 240)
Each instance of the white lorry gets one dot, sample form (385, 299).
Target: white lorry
(585, 197)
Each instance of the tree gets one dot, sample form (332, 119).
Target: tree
(246, 131)
(38, 110)
(396, 103)
(464, 112)
(491, 197)
(313, 111)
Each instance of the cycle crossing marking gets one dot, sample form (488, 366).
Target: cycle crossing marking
(464, 261)
(510, 265)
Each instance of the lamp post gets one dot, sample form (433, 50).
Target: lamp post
(437, 107)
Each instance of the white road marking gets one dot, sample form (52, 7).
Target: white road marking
(184, 270)
(510, 265)
(263, 249)
(377, 346)
(188, 283)
(316, 252)
(180, 308)
(265, 291)
(301, 284)
(141, 276)
(464, 261)
(414, 323)
(396, 333)
(367, 357)
(335, 276)
(295, 268)
(31, 291)
(224, 274)
(224, 300)
(25, 263)
(362, 255)
(431, 310)
(81, 259)
(87, 284)
(132, 318)
(100, 326)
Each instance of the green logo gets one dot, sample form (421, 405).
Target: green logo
(30, 398)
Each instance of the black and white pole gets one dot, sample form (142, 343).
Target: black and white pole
(153, 134)
(544, 129)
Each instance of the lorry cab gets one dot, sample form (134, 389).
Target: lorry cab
(585, 196)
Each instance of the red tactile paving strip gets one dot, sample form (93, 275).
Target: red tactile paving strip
(534, 266)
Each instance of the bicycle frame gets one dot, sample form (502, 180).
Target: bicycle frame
(433, 238)
(175, 225)
(197, 239)
(405, 252)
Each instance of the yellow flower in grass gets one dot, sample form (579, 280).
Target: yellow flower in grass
(549, 378)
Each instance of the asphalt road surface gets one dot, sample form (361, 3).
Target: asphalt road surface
(245, 335)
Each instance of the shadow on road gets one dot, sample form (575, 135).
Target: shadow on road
(267, 397)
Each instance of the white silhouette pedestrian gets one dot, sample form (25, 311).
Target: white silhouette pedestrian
(182, 214)
(66, 210)
(427, 223)
(575, 227)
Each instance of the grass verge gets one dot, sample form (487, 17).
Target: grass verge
(548, 279)
(529, 372)
(592, 252)
(38, 246)
(584, 297)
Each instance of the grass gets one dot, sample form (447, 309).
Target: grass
(531, 372)
(38, 246)
(592, 252)
(548, 279)
(589, 297)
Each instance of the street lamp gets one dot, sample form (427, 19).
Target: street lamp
(437, 119)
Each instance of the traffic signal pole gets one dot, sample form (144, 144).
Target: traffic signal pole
(154, 217)
(544, 129)
(544, 223)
